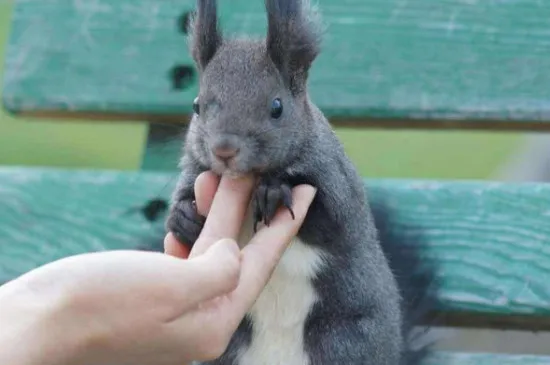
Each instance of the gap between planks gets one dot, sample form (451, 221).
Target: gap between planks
(503, 125)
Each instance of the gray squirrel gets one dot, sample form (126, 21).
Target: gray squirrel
(340, 294)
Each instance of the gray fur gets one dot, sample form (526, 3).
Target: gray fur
(293, 40)
(359, 319)
(206, 36)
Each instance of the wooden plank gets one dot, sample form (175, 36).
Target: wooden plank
(492, 240)
(163, 148)
(448, 64)
(449, 358)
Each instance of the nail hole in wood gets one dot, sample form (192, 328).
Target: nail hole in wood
(154, 208)
(182, 76)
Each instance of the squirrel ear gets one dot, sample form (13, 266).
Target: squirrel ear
(293, 39)
(204, 34)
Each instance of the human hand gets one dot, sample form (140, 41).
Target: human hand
(131, 307)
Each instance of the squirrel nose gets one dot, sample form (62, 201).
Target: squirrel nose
(225, 153)
(225, 147)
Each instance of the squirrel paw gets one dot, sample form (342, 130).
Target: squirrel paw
(185, 222)
(269, 195)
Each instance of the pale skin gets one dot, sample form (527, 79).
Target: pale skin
(133, 308)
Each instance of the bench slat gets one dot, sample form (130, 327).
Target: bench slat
(492, 240)
(386, 63)
(444, 358)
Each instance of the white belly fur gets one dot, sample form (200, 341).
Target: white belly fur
(280, 312)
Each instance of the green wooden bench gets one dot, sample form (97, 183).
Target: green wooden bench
(391, 64)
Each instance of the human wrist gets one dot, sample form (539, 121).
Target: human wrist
(34, 328)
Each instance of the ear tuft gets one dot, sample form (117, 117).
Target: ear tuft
(204, 33)
(293, 39)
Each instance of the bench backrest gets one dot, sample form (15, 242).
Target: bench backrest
(464, 64)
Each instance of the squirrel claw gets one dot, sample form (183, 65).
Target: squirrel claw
(287, 199)
(270, 194)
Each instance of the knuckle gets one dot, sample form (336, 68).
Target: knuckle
(231, 262)
(231, 272)
(233, 269)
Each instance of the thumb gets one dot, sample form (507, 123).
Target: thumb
(215, 272)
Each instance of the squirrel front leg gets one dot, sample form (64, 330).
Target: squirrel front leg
(183, 220)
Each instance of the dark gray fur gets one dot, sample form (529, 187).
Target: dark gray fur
(359, 319)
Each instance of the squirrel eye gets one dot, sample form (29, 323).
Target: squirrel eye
(196, 108)
(276, 108)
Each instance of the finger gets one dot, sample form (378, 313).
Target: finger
(205, 189)
(226, 213)
(174, 248)
(261, 255)
(206, 185)
(214, 273)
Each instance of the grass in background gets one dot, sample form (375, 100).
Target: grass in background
(67, 143)
(429, 154)
(387, 153)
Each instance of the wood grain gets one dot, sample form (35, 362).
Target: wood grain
(449, 63)
(491, 240)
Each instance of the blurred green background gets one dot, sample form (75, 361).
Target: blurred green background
(389, 153)
(65, 143)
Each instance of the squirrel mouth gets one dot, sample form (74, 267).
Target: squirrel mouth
(227, 169)
(232, 174)
(233, 171)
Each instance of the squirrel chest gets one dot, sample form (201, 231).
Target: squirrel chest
(279, 314)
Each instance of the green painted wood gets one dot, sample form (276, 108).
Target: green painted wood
(453, 59)
(444, 358)
(161, 156)
(163, 148)
(492, 240)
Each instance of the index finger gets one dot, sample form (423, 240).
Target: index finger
(261, 255)
(206, 185)
(226, 213)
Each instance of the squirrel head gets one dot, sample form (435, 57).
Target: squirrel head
(252, 112)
